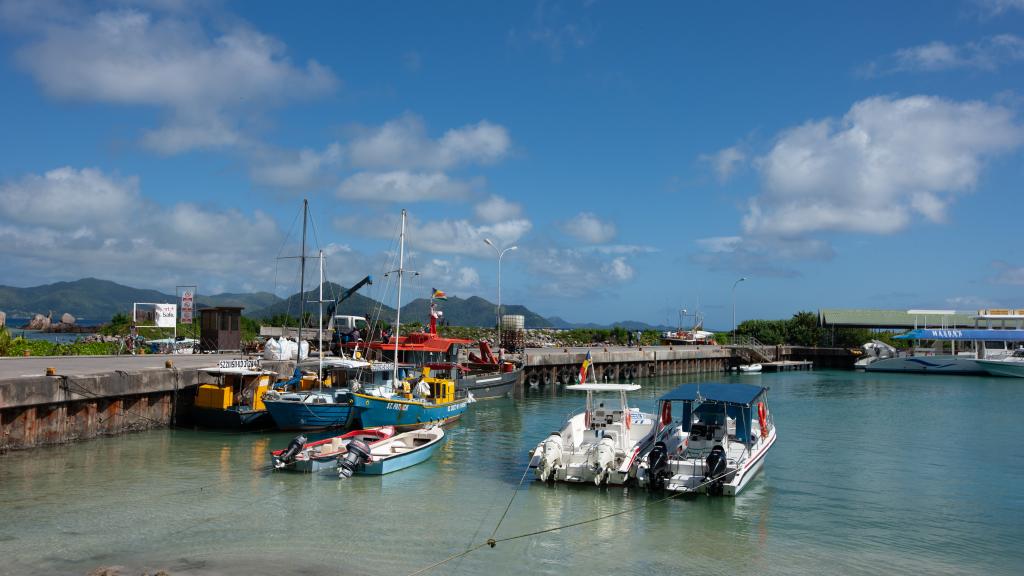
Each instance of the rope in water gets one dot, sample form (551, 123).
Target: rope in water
(492, 542)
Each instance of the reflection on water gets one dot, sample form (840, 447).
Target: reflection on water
(871, 473)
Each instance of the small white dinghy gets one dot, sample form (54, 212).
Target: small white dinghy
(750, 368)
(599, 444)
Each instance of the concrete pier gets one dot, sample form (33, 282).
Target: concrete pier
(545, 366)
(87, 397)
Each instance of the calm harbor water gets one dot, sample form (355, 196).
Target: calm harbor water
(871, 474)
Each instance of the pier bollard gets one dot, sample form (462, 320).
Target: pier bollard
(168, 364)
(51, 371)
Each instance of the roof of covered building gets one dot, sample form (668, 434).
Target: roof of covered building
(899, 319)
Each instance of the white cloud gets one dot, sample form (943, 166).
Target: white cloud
(997, 7)
(758, 255)
(441, 236)
(587, 227)
(70, 223)
(403, 143)
(295, 170)
(206, 82)
(403, 186)
(450, 275)
(497, 209)
(573, 273)
(618, 269)
(986, 54)
(627, 249)
(884, 162)
(1007, 273)
(725, 162)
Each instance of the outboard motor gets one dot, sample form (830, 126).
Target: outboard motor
(602, 457)
(289, 454)
(551, 456)
(657, 466)
(357, 452)
(716, 464)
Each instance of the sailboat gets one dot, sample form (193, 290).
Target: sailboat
(329, 407)
(409, 403)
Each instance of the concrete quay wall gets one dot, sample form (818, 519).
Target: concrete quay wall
(46, 410)
(561, 365)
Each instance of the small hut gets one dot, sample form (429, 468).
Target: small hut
(220, 329)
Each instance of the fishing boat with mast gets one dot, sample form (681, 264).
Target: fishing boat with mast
(600, 444)
(330, 405)
(411, 403)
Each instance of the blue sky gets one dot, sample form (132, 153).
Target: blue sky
(641, 157)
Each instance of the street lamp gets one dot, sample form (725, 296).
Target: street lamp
(734, 307)
(500, 254)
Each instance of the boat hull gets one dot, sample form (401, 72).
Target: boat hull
(939, 364)
(397, 462)
(290, 415)
(488, 386)
(1009, 369)
(240, 418)
(403, 414)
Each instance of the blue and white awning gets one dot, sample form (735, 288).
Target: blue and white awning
(963, 334)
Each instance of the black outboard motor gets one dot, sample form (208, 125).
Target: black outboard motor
(289, 454)
(716, 465)
(356, 453)
(657, 465)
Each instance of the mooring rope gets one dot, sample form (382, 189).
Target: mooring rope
(492, 542)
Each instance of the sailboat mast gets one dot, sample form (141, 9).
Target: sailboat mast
(398, 311)
(320, 332)
(302, 278)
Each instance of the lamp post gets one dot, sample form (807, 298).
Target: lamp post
(734, 307)
(500, 254)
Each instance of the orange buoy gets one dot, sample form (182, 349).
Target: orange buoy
(762, 416)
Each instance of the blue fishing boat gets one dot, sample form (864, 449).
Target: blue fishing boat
(387, 456)
(415, 403)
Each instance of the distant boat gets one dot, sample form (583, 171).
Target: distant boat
(717, 445)
(302, 456)
(750, 368)
(396, 453)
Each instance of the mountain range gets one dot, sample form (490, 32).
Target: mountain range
(95, 301)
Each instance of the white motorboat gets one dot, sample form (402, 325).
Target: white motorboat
(1011, 366)
(600, 444)
(874, 351)
(750, 368)
(717, 445)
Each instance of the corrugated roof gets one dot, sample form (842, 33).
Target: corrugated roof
(866, 318)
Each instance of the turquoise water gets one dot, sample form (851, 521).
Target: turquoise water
(871, 474)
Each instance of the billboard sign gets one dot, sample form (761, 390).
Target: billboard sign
(166, 315)
(186, 307)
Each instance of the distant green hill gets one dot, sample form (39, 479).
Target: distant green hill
(94, 301)
(356, 305)
(472, 311)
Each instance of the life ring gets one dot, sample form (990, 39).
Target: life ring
(762, 417)
(629, 418)
(666, 413)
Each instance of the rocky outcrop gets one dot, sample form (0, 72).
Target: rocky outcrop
(67, 319)
(38, 322)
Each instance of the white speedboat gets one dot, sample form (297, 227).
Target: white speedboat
(717, 444)
(600, 444)
(1011, 366)
(750, 368)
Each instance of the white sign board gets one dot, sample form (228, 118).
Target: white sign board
(186, 307)
(249, 363)
(166, 315)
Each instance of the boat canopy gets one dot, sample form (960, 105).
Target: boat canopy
(596, 387)
(963, 334)
(738, 394)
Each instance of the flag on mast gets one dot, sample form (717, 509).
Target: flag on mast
(436, 294)
(585, 367)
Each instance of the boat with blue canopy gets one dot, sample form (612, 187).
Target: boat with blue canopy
(709, 438)
(956, 351)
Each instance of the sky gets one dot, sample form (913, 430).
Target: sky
(641, 157)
